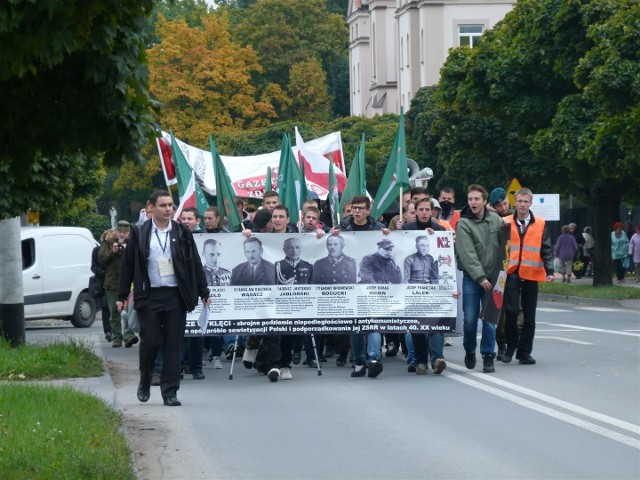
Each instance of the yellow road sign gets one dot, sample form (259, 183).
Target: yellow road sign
(513, 187)
(33, 217)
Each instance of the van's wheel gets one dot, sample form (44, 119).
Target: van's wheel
(84, 313)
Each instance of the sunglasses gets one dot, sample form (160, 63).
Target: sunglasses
(359, 207)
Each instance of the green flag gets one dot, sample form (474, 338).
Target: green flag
(357, 180)
(224, 192)
(332, 196)
(268, 186)
(395, 175)
(191, 195)
(289, 180)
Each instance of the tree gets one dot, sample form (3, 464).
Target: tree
(191, 11)
(204, 79)
(287, 32)
(73, 80)
(422, 143)
(550, 96)
(308, 91)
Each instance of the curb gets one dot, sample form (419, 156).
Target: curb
(596, 302)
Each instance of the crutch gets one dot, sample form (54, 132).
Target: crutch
(233, 358)
(315, 352)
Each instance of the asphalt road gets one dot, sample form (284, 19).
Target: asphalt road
(574, 415)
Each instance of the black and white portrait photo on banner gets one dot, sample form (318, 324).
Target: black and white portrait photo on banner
(353, 282)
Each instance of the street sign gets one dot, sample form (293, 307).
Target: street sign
(546, 205)
(33, 217)
(513, 187)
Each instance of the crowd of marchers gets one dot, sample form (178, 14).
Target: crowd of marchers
(153, 270)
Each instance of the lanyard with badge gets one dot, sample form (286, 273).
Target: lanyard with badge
(164, 264)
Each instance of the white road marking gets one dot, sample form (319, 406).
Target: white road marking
(601, 330)
(562, 339)
(553, 310)
(605, 432)
(600, 309)
(555, 329)
(635, 429)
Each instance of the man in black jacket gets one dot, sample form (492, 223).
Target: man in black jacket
(162, 261)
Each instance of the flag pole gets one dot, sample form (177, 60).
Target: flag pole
(401, 195)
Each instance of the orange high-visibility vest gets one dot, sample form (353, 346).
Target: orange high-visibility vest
(525, 251)
(453, 221)
(445, 224)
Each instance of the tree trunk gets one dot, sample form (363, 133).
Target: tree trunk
(11, 293)
(606, 200)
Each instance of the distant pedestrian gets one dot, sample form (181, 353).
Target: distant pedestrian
(588, 251)
(634, 252)
(566, 250)
(619, 249)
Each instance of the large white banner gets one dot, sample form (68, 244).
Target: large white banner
(248, 174)
(354, 282)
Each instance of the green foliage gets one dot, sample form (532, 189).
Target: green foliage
(60, 433)
(287, 32)
(422, 143)
(191, 11)
(53, 186)
(550, 96)
(73, 79)
(308, 91)
(95, 222)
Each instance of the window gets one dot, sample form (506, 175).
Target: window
(28, 253)
(408, 50)
(401, 53)
(469, 35)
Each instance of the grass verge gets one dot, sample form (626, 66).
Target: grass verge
(70, 359)
(609, 292)
(59, 433)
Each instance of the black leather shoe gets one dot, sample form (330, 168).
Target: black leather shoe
(470, 360)
(487, 365)
(528, 360)
(172, 401)
(295, 358)
(507, 356)
(144, 393)
(341, 361)
(198, 376)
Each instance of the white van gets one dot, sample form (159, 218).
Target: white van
(56, 267)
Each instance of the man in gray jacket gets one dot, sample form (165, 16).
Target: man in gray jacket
(477, 250)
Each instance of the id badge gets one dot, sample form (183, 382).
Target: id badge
(166, 267)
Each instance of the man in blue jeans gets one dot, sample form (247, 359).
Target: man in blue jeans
(477, 253)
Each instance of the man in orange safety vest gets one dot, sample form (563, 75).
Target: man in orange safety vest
(530, 262)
